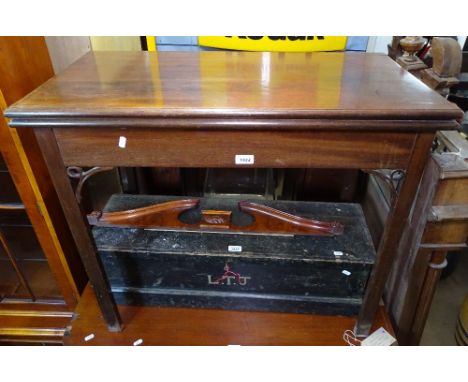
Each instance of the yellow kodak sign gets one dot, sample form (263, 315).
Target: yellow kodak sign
(275, 43)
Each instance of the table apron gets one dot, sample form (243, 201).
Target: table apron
(208, 148)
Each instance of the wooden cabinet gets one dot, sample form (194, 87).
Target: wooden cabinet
(41, 275)
(439, 225)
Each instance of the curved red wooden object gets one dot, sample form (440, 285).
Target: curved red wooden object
(269, 219)
(157, 215)
(166, 215)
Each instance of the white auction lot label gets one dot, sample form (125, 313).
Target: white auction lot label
(234, 248)
(245, 159)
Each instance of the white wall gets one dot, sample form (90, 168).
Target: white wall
(378, 44)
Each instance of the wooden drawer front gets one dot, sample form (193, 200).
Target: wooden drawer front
(451, 191)
(449, 232)
(182, 148)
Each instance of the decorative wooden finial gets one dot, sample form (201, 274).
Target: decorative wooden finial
(411, 45)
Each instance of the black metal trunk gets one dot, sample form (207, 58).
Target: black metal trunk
(300, 274)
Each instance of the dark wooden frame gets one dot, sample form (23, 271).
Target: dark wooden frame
(181, 137)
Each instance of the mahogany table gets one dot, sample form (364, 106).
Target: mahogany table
(204, 109)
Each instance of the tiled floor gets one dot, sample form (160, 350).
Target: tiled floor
(440, 326)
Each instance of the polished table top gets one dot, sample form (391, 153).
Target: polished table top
(235, 84)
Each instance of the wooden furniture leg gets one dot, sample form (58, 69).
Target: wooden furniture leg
(397, 220)
(407, 277)
(79, 227)
(437, 263)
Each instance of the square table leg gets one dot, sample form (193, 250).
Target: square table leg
(79, 227)
(398, 218)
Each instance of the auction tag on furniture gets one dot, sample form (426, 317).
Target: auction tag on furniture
(122, 142)
(245, 159)
(379, 338)
(234, 248)
(89, 337)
